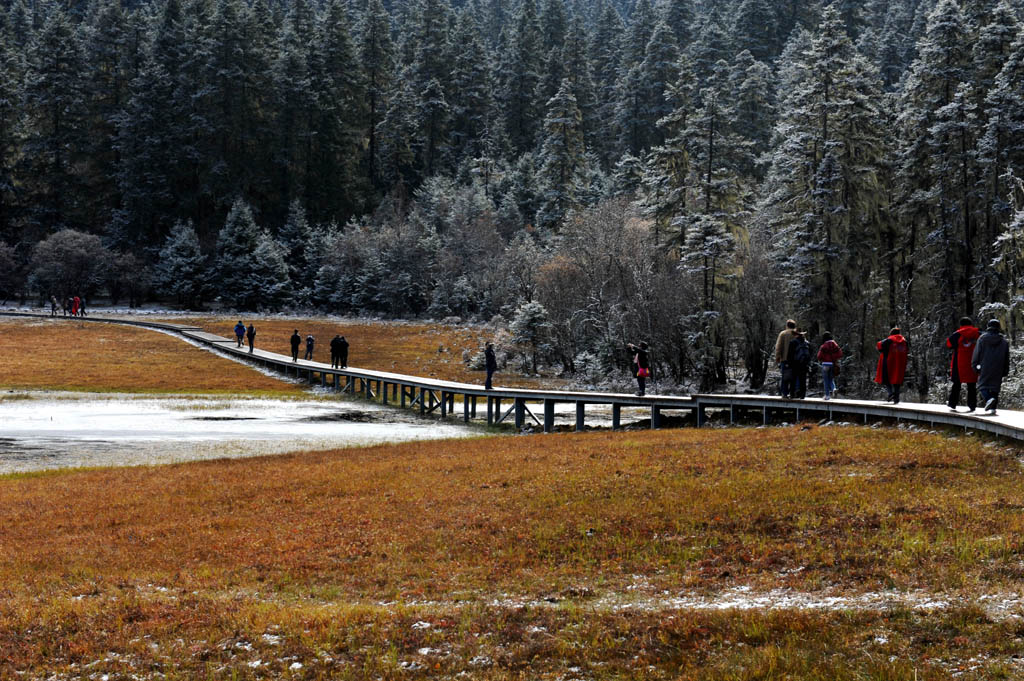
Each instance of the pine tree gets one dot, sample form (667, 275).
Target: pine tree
(520, 72)
(472, 103)
(658, 71)
(605, 57)
(679, 15)
(182, 265)
(754, 29)
(753, 86)
(710, 46)
(376, 57)
(10, 105)
(638, 34)
(561, 157)
(236, 248)
(554, 23)
(54, 121)
(296, 112)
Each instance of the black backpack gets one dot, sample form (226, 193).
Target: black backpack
(800, 352)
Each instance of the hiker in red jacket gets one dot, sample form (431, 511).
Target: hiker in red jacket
(892, 364)
(828, 356)
(962, 343)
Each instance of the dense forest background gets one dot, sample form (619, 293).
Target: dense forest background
(689, 172)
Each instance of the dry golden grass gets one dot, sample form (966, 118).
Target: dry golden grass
(417, 349)
(184, 569)
(67, 354)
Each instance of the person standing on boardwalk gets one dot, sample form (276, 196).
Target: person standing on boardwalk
(643, 368)
(250, 335)
(781, 358)
(239, 332)
(81, 306)
(828, 355)
(892, 363)
(336, 352)
(991, 360)
(53, 306)
(75, 302)
(310, 342)
(961, 367)
(799, 359)
(296, 341)
(69, 306)
(490, 363)
(343, 353)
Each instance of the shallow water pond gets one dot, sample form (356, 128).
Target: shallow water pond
(40, 431)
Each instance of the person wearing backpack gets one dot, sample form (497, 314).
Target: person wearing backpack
(239, 332)
(991, 360)
(310, 342)
(961, 369)
(799, 358)
(296, 341)
(892, 363)
(828, 356)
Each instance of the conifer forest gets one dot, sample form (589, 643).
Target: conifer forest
(591, 172)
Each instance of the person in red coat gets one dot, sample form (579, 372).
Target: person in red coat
(892, 364)
(962, 343)
(828, 356)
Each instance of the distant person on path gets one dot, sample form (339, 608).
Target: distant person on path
(828, 355)
(343, 353)
(296, 342)
(491, 364)
(991, 360)
(239, 332)
(81, 307)
(53, 306)
(76, 301)
(892, 364)
(69, 306)
(799, 358)
(961, 368)
(250, 335)
(781, 350)
(335, 351)
(310, 342)
(643, 368)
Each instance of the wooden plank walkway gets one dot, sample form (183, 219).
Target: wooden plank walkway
(435, 396)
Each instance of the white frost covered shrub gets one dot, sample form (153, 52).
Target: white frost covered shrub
(589, 367)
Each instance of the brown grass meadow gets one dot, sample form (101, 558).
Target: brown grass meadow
(566, 556)
(512, 557)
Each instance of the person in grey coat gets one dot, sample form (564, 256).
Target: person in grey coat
(991, 359)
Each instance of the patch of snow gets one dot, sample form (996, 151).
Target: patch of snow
(421, 625)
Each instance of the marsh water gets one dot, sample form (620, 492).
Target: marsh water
(40, 431)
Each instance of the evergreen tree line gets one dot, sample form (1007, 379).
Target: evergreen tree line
(689, 172)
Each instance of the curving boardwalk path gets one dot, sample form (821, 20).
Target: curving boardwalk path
(430, 395)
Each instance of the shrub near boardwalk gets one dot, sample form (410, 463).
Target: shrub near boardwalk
(89, 356)
(514, 555)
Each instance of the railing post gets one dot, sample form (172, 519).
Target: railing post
(465, 408)
(549, 415)
(490, 411)
(520, 412)
(403, 395)
(580, 409)
(616, 416)
(423, 401)
(384, 394)
(655, 417)
(444, 404)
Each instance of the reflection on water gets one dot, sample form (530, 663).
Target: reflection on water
(72, 431)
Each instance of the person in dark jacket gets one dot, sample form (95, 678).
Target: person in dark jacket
(892, 363)
(343, 353)
(336, 352)
(991, 360)
(310, 342)
(828, 356)
(296, 340)
(81, 307)
(786, 336)
(643, 367)
(491, 364)
(53, 306)
(250, 335)
(798, 356)
(239, 332)
(69, 306)
(961, 370)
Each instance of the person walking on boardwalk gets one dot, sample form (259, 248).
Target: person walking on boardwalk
(799, 359)
(343, 352)
(296, 340)
(991, 360)
(250, 335)
(781, 358)
(961, 367)
(69, 306)
(828, 356)
(75, 302)
(239, 332)
(892, 363)
(335, 351)
(643, 368)
(491, 364)
(53, 306)
(310, 342)
(81, 306)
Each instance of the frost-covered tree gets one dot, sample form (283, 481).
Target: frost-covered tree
(68, 262)
(531, 331)
(181, 270)
(236, 246)
(561, 157)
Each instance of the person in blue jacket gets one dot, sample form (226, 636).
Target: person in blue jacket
(239, 332)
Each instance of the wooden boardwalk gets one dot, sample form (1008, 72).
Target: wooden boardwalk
(454, 399)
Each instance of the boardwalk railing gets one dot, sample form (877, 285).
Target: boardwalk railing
(432, 396)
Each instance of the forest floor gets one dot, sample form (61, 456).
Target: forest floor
(800, 552)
